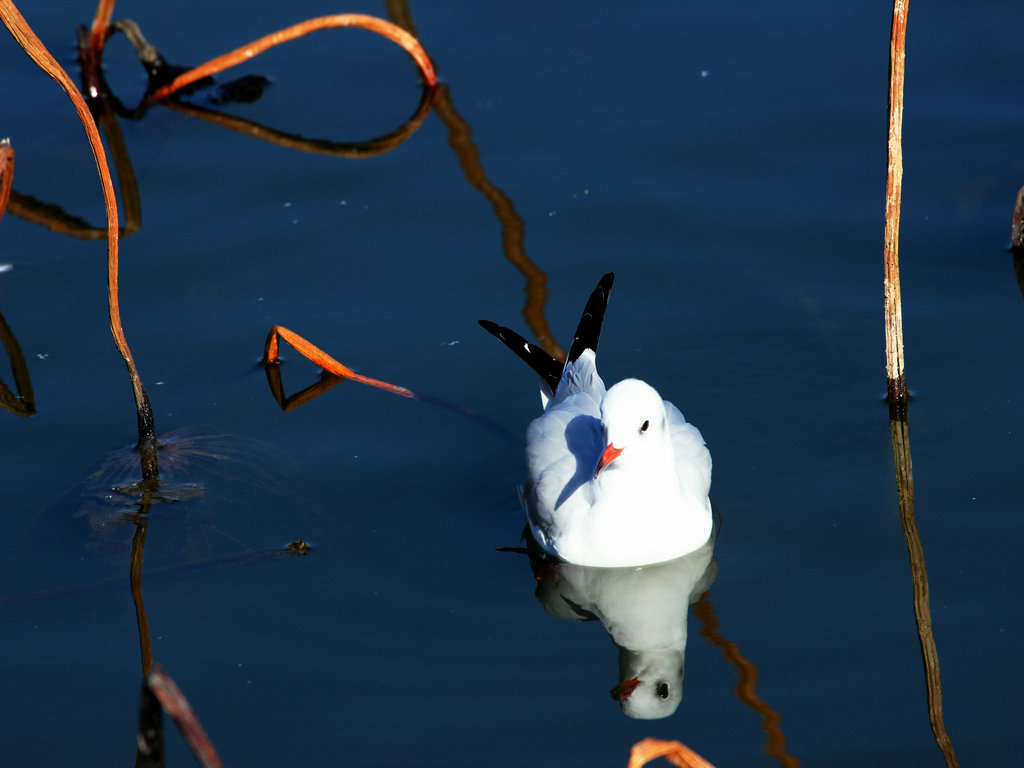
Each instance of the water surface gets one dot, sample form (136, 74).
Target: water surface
(727, 161)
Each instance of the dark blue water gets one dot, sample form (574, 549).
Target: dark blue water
(727, 161)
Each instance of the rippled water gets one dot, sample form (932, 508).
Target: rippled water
(727, 161)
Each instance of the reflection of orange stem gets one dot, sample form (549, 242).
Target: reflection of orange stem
(22, 404)
(291, 402)
(130, 200)
(52, 217)
(362, 21)
(6, 174)
(900, 431)
(678, 754)
(322, 359)
(135, 579)
(705, 611)
(351, 150)
(512, 227)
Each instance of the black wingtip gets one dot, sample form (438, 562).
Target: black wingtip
(545, 366)
(588, 332)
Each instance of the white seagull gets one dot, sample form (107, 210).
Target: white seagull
(615, 477)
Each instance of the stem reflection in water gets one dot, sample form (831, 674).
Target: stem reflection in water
(900, 430)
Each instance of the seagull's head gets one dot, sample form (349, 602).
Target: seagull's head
(633, 421)
(654, 686)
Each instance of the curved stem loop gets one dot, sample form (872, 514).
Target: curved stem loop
(362, 21)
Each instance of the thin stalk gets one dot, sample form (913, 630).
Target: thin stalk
(6, 173)
(271, 357)
(34, 47)
(91, 42)
(176, 705)
(894, 367)
(100, 23)
(385, 28)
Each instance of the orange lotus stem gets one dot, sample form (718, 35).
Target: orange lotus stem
(100, 25)
(176, 705)
(330, 365)
(362, 21)
(894, 363)
(38, 52)
(326, 362)
(646, 750)
(6, 173)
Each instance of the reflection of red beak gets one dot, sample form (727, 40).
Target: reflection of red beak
(624, 690)
(611, 453)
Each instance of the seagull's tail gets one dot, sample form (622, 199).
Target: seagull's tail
(588, 333)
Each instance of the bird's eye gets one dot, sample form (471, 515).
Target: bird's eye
(663, 691)
(644, 426)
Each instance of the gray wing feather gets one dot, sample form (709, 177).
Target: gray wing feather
(693, 460)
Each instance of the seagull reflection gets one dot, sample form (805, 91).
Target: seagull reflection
(644, 609)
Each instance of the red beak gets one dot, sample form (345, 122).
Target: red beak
(624, 690)
(611, 453)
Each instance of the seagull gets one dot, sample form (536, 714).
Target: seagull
(615, 477)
